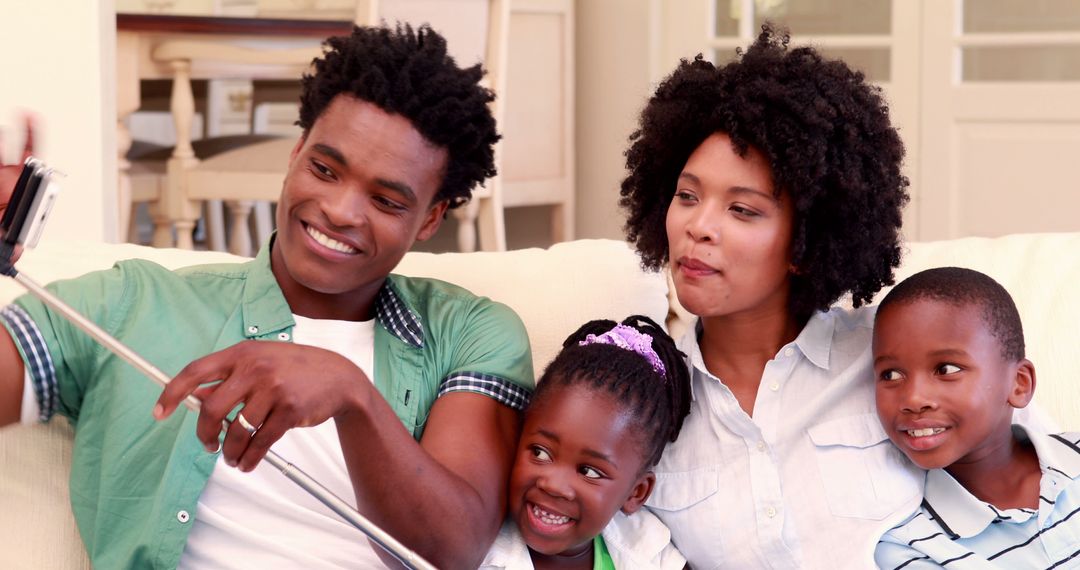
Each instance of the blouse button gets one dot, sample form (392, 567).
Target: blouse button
(283, 336)
(253, 329)
(771, 511)
(183, 516)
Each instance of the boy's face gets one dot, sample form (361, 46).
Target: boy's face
(358, 193)
(945, 393)
(579, 461)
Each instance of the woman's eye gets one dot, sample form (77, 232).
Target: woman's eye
(744, 211)
(946, 369)
(891, 374)
(684, 195)
(540, 453)
(590, 472)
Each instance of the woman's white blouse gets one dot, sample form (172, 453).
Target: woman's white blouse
(810, 481)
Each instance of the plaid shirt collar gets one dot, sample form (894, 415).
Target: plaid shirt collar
(266, 310)
(395, 316)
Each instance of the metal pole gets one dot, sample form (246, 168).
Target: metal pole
(407, 557)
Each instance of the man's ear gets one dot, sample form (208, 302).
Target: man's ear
(640, 493)
(1023, 388)
(432, 220)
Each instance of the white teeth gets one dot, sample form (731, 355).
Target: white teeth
(549, 518)
(330, 242)
(925, 431)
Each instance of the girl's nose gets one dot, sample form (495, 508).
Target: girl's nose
(556, 484)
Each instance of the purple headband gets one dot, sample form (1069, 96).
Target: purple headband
(631, 339)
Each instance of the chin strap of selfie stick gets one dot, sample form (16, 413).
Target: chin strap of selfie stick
(406, 556)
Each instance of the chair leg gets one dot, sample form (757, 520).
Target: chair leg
(491, 224)
(466, 217)
(215, 225)
(264, 222)
(239, 234)
(562, 223)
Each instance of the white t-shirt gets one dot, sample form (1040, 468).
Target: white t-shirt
(262, 519)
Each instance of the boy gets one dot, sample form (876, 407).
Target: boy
(423, 380)
(950, 368)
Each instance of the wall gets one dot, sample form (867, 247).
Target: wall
(58, 64)
(614, 51)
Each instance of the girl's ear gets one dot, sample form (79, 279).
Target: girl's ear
(1023, 388)
(640, 493)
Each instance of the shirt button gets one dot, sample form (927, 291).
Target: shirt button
(789, 351)
(771, 512)
(253, 329)
(183, 516)
(283, 336)
(774, 386)
(761, 446)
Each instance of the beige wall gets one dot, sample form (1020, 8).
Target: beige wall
(614, 47)
(58, 65)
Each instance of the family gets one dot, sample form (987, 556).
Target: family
(780, 432)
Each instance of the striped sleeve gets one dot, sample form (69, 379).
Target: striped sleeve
(503, 391)
(39, 363)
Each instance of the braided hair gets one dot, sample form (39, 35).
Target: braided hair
(657, 403)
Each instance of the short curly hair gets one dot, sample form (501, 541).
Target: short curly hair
(408, 72)
(959, 286)
(826, 135)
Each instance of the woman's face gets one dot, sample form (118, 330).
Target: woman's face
(729, 237)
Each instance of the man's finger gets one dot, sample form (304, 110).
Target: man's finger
(273, 427)
(202, 371)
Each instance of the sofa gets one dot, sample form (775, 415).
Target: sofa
(554, 290)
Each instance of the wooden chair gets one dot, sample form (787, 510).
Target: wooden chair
(255, 172)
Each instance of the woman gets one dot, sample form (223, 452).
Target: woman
(772, 187)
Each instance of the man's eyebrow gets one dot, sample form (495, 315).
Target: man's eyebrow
(399, 187)
(331, 152)
(337, 156)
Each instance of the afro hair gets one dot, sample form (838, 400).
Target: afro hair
(826, 134)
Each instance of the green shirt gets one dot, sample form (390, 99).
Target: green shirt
(601, 558)
(135, 482)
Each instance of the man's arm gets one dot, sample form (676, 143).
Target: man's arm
(11, 380)
(460, 467)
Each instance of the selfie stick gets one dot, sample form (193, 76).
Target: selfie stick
(13, 228)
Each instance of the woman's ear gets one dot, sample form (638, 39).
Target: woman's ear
(640, 493)
(1023, 388)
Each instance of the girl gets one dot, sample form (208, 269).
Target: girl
(598, 422)
(771, 187)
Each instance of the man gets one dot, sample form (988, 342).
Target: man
(423, 380)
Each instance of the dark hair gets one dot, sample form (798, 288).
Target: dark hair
(657, 403)
(959, 287)
(409, 73)
(826, 134)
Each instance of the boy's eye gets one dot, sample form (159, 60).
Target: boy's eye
(946, 369)
(590, 472)
(540, 453)
(389, 203)
(891, 374)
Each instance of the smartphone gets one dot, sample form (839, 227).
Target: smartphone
(32, 200)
